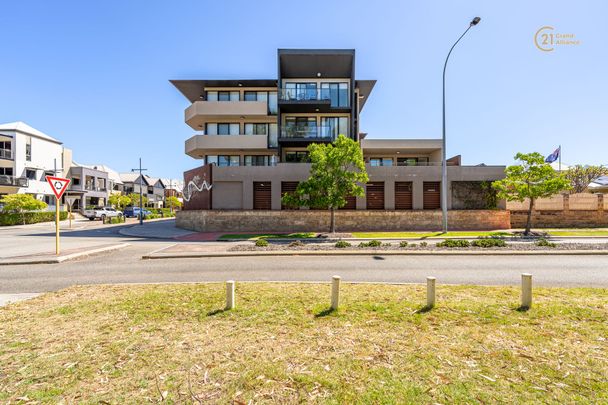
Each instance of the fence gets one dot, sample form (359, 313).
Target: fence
(567, 210)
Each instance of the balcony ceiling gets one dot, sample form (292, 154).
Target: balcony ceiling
(192, 89)
(331, 63)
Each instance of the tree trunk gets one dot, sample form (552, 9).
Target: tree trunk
(529, 220)
(332, 225)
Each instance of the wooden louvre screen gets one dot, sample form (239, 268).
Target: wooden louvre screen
(431, 195)
(374, 196)
(351, 203)
(262, 195)
(403, 195)
(288, 187)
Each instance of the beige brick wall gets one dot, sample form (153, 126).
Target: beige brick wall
(346, 221)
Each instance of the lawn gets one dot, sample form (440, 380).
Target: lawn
(255, 236)
(147, 343)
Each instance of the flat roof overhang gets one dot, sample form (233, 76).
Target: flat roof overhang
(400, 145)
(302, 63)
(194, 89)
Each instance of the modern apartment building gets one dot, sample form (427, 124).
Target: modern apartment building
(252, 137)
(88, 186)
(27, 156)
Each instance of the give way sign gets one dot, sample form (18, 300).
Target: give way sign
(58, 185)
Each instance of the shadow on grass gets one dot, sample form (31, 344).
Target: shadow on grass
(216, 312)
(424, 309)
(522, 309)
(325, 312)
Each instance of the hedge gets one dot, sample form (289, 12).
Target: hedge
(10, 218)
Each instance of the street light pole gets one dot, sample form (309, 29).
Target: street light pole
(444, 166)
(141, 198)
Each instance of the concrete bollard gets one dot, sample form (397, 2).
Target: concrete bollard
(335, 292)
(430, 292)
(526, 290)
(230, 298)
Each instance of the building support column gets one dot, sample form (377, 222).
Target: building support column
(417, 194)
(389, 195)
(247, 194)
(275, 195)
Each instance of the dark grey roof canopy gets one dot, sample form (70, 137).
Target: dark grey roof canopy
(330, 63)
(193, 89)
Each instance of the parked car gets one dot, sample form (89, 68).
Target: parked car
(133, 212)
(102, 213)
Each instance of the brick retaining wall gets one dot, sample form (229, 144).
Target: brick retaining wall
(346, 221)
(561, 219)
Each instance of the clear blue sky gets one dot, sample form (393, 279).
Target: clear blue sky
(95, 73)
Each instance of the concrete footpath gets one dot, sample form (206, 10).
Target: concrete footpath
(69, 254)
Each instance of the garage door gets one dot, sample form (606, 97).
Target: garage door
(261, 195)
(374, 195)
(403, 195)
(432, 195)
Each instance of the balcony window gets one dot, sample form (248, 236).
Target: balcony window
(301, 127)
(30, 174)
(300, 156)
(222, 96)
(256, 129)
(75, 181)
(6, 171)
(300, 91)
(412, 161)
(222, 129)
(256, 160)
(337, 93)
(223, 160)
(381, 161)
(5, 150)
(273, 136)
(272, 103)
(331, 127)
(28, 151)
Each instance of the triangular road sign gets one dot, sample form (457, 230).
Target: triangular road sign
(58, 185)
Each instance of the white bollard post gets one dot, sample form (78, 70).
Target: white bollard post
(430, 292)
(335, 292)
(526, 290)
(230, 294)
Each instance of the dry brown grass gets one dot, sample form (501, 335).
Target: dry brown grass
(149, 343)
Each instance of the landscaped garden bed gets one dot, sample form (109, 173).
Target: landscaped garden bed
(449, 245)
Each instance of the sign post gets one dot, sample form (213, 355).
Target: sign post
(70, 201)
(58, 185)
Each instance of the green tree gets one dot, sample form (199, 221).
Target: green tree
(119, 201)
(21, 203)
(173, 202)
(134, 200)
(532, 178)
(580, 176)
(337, 172)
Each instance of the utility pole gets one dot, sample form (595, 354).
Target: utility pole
(141, 198)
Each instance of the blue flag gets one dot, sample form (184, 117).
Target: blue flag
(554, 156)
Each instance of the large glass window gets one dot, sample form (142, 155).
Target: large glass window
(336, 92)
(331, 127)
(6, 171)
(273, 136)
(30, 174)
(28, 150)
(223, 160)
(381, 161)
(300, 91)
(272, 103)
(256, 160)
(301, 127)
(222, 129)
(296, 156)
(256, 129)
(222, 96)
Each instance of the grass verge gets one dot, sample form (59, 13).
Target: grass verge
(148, 343)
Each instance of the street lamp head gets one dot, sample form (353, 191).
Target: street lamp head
(475, 21)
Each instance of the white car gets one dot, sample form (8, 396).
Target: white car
(102, 213)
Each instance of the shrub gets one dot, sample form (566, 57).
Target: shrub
(545, 243)
(371, 243)
(342, 244)
(489, 242)
(12, 218)
(454, 243)
(403, 243)
(296, 243)
(423, 244)
(261, 243)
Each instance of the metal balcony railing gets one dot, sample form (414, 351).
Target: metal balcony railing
(6, 180)
(337, 98)
(322, 132)
(6, 153)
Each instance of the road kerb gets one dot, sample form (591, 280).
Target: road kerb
(60, 259)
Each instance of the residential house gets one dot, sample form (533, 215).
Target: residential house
(27, 156)
(88, 187)
(152, 188)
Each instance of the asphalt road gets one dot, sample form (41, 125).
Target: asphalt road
(126, 266)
